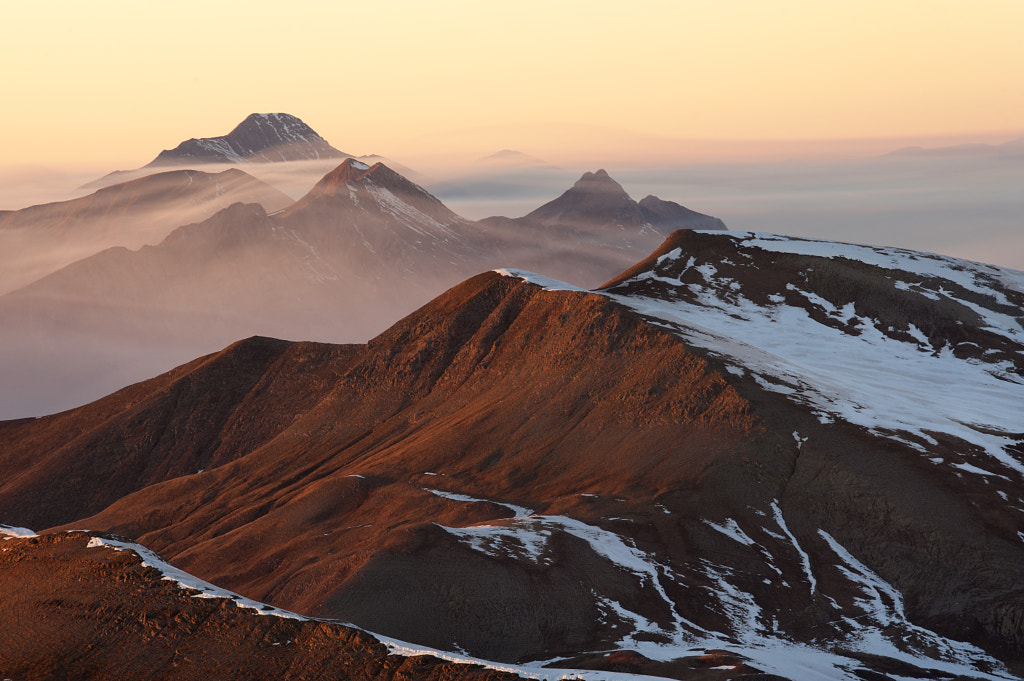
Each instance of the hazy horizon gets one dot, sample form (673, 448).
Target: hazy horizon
(412, 80)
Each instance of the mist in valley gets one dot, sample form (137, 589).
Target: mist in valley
(84, 322)
(966, 206)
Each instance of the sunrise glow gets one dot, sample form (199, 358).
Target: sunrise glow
(106, 83)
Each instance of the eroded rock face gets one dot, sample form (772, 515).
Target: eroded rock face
(523, 470)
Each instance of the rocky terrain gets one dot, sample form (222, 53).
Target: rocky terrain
(746, 454)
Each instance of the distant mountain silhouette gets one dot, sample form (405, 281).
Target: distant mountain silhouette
(509, 158)
(592, 228)
(1013, 148)
(598, 203)
(260, 138)
(38, 240)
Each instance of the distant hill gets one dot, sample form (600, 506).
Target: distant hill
(1013, 148)
(509, 158)
(38, 240)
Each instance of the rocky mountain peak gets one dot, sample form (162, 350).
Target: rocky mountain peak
(594, 200)
(268, 137)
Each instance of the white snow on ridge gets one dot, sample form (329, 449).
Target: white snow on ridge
(547, 283)
(188, 581)
(885, 385)
(963, 272)
(884, 604)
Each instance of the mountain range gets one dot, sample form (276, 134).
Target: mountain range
(746, 454)
(40, 239)
(670, 450)
(364, 247)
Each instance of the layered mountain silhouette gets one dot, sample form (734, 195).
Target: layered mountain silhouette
(745, 454)
(594, 227)
(363, 248)
(41, 239)
(598, 203)
(260, 138)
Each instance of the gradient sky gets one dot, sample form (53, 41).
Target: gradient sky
(110, 83)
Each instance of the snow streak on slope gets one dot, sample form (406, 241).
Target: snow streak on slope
(752, 633)
(395, 647)
(187, 581)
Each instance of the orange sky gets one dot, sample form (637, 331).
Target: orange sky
(109, 83)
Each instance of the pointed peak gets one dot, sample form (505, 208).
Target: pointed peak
(354, 176)
(599, 181)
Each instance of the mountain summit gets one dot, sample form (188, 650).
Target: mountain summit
(259, 138)
(597, 201)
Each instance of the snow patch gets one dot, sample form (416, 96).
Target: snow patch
(546, 283)
(730, 528)
(10, 532)
(518, 511)
(885, 385)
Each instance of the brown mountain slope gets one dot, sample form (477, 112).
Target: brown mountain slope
(446, 391)
(195, 417)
